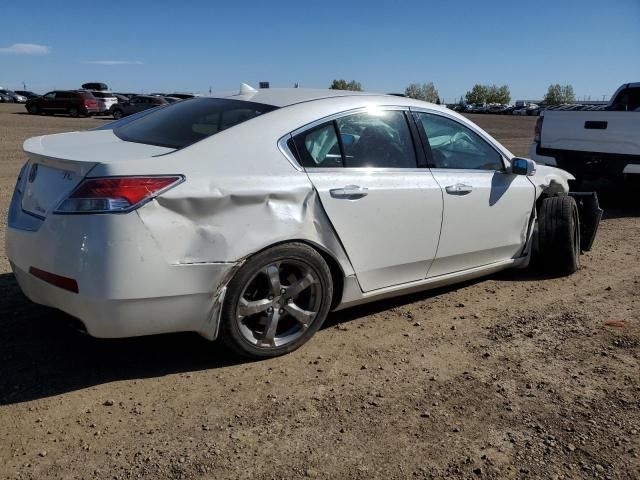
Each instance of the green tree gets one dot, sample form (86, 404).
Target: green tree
(426, 92)
(558, 94)
(478, 94)
(489, 94)
(344, 85)
(499, 94)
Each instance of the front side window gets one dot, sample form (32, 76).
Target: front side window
(184, 123)
(379, 139)
(456, 146)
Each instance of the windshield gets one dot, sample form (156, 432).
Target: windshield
(184, 123)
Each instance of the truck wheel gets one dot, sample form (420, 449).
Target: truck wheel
(117, 114)
(73, 112)
(558, 235)
(33, 109)
(276, 301)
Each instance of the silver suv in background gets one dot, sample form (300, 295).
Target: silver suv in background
(106, 100)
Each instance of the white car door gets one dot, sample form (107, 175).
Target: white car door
(487, 210)
(386, 211)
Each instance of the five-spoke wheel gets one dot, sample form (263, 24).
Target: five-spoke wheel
(276, 301)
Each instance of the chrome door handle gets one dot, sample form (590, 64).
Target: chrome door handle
(458, 189)
(349, 192)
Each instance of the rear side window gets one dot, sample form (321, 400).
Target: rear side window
(184, 123)
(378, 140)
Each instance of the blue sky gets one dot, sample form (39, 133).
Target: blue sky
(190, 46)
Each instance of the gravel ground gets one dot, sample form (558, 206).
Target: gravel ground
(516, 376)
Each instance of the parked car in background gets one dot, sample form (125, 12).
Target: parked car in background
(530, 109)
(5, 98)
(73, 103)
(592, 143)
(128, 95)
(105, 99)
(15, 97)
(252, 217)
(27, 94)
(183, 96)
(95, 86)
(121, 98)
(135, 105)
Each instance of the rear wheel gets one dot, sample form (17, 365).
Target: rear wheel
(276, 301)
(559, 235)
(73, 112)
(117, 114)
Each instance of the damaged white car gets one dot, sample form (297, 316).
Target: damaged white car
(251, 217)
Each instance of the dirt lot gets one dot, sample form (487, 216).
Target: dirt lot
(515, 376)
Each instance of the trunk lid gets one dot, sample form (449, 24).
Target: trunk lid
(58, 163)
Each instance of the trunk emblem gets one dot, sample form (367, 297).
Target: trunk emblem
(33, 172)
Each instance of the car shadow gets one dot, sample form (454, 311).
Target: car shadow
(42, 355)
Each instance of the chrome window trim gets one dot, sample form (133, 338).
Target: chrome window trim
(505, 161)
(284, 148)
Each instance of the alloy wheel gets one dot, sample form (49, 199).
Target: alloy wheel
(279, 303)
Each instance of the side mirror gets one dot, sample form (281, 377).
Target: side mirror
(523, 166)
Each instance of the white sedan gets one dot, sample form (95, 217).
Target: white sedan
(251, 217)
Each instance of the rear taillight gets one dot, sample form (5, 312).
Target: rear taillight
(90, 103)
(116, 194)
(538, 129)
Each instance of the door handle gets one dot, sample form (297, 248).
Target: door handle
(349, 192)
(458, 189)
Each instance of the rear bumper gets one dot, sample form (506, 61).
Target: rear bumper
(125, 286)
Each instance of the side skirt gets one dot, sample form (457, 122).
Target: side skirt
(352, 294)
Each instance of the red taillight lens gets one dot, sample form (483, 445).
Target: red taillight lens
(115, 194)
(538, 129)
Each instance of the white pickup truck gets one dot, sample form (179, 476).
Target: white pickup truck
(592, 144)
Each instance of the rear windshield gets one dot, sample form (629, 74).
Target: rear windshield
(184, 123)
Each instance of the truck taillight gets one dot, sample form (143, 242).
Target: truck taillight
(538, 129)
(116, 194)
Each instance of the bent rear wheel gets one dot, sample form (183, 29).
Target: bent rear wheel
(277, 300)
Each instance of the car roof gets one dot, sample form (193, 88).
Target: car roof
(283, 97)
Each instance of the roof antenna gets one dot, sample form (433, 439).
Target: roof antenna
(246, 89)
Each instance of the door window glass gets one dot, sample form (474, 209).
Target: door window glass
(455, 146)
(377, 139)
(319, 147)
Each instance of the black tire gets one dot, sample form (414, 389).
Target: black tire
(117, 114)
(73, 112)
(247, 334)
(33, 109)
(558, 235)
